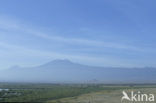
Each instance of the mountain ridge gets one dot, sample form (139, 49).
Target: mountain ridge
(65, 70)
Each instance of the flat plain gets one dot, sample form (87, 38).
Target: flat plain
(70, 93)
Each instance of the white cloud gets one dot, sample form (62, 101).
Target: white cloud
(105, 60)
(15, 25)
(16, 52)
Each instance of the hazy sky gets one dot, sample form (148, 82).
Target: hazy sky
(93, 32)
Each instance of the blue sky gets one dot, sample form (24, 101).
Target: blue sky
(93, 32)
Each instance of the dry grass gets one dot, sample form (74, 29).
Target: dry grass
(113, 96)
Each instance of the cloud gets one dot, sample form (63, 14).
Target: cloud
(15, 25)
(16, 52)
(9, 24)
(19, 51)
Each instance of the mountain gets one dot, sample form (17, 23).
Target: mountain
(65, 71)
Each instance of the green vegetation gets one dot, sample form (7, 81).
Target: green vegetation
(47, 92)
(43, 92)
